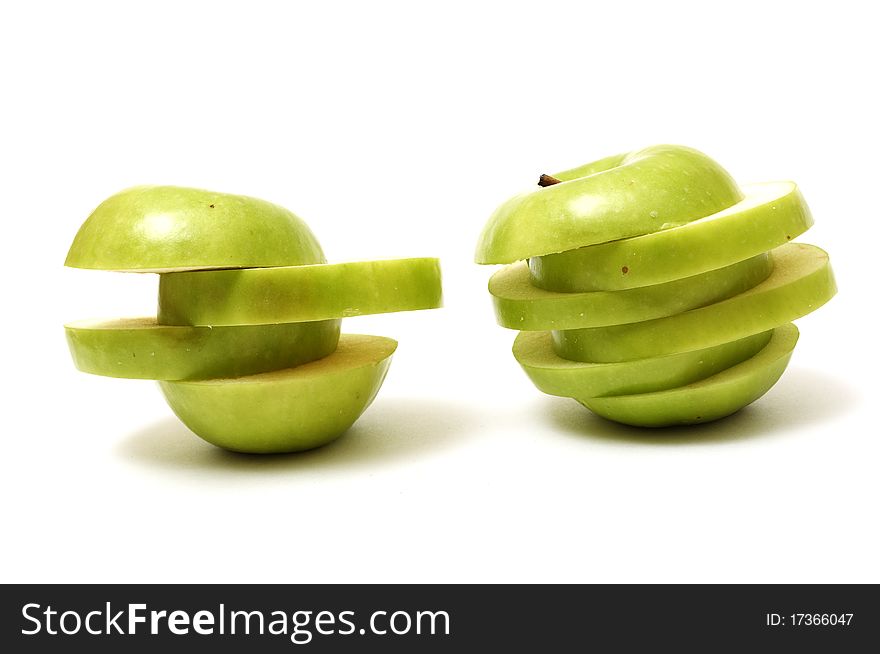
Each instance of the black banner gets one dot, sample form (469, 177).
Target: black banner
(435, 618)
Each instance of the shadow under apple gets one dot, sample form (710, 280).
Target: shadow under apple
(803, 397)
(390, 430)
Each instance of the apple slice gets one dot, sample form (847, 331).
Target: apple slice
(769, 216)
(519, 305)
(617, 197)
(166, 228)
(139, 348)
(709, 399)
(801, 282)
(299, 293)
(286, 410)
(557, 376)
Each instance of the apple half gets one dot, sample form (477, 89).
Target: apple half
(299, 293)
(709, 399)
(520, 305)
(169, 228)
(801, 282)
(140, 348)
(286, 410)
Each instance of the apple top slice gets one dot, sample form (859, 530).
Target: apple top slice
(171, 228)
(614, 198)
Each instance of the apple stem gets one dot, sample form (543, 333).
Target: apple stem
(548, 180)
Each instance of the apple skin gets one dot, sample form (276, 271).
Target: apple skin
(165, 228)
(770, 215)
(554, 375)
(709, 399)
(286, 410)
(801, 282)
(519, 305)
(617, 197)
(299, 293)
(139, 348)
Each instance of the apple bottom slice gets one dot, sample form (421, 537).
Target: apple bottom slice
(298, 293)
(520, 305)
(139, 348)
(286, 410)
(801, 282)
(554, 375)
(709, 399)
(770, 215)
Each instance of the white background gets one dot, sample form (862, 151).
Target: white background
(395, 129)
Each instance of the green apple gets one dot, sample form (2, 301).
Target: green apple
(139, 348)
(770, 215)
(168, 228)
(554, 375)
(246, 346)
(801, 282)
(299, 293)
(667, 291)
(286, 410)
(708, 399)
(617, 197)
(520, 305)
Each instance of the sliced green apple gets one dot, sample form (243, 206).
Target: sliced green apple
(557, 376)
(801, 282)
(616, 198)
(139, 348)
(299, 293)
(709, 399)
(167, 228)
(520, 305)
(286, 410)
(770, 215)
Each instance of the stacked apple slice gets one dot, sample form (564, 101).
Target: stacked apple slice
(651, 288)
(246, 345)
